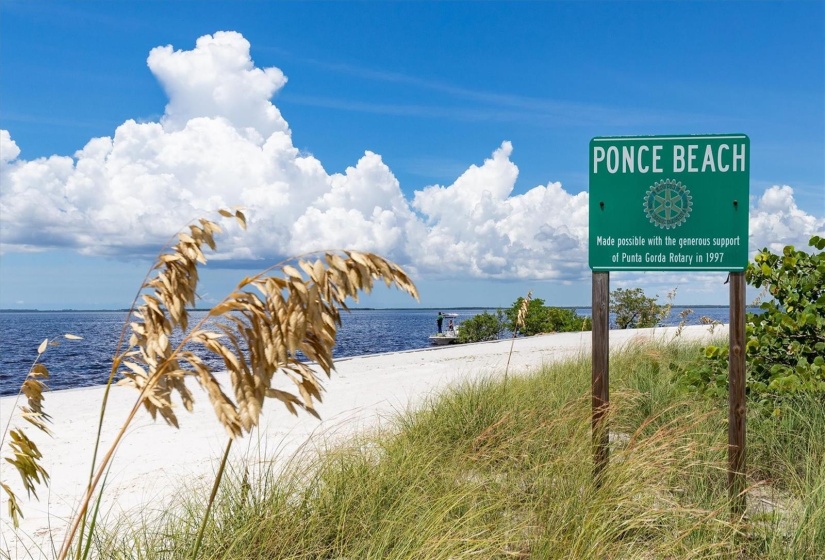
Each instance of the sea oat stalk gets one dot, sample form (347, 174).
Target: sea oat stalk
(521, 317)
(25, 455)
(268, 325)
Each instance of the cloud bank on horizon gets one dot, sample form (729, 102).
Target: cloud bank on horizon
(222, 143)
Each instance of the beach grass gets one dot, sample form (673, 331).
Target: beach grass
(495, 470)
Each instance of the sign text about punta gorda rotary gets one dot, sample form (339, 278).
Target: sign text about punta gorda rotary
(669, 202)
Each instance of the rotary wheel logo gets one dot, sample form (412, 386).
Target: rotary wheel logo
(667, 204)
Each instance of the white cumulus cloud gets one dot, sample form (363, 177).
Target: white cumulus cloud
(222, 142)
(477, 226)
(776, 221)
(218, 79)
(8, 148)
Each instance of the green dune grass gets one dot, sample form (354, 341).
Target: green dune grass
(488, 470)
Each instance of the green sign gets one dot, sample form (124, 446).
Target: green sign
(669, 202)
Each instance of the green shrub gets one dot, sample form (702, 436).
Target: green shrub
(533, 321)
(786, 340)
(634, 310)
(482, 327)
(542, 319)
(709, 376)
(567, 320)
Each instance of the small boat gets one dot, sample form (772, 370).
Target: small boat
(450, 334)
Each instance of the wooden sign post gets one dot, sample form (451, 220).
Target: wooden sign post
(601, 369)
(670, 203)
(736, 394)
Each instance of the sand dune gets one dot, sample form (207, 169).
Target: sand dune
(154, 459)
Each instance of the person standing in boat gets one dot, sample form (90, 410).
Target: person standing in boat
(439, 321)
(450, 327)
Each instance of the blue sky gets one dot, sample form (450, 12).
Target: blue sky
(450, 136)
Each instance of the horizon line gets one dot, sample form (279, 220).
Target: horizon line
(589, 305)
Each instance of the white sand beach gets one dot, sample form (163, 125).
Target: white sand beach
(154, 459)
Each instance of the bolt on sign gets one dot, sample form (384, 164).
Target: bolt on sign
(669, 202)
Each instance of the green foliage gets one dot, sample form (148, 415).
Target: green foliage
(482, 327)
(634, 310)
(786, 341)
(542, 319)
(567, 320)
(710, 375)
(533, 320)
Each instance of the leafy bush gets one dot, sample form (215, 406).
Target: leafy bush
(709, 375)
(542, 319)
(567, 320)
(634, 310)
(482, 327)
(786, 341)
(533, 319)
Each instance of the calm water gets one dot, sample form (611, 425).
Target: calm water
(86, 362)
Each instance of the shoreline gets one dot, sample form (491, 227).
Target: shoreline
(155, 461)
